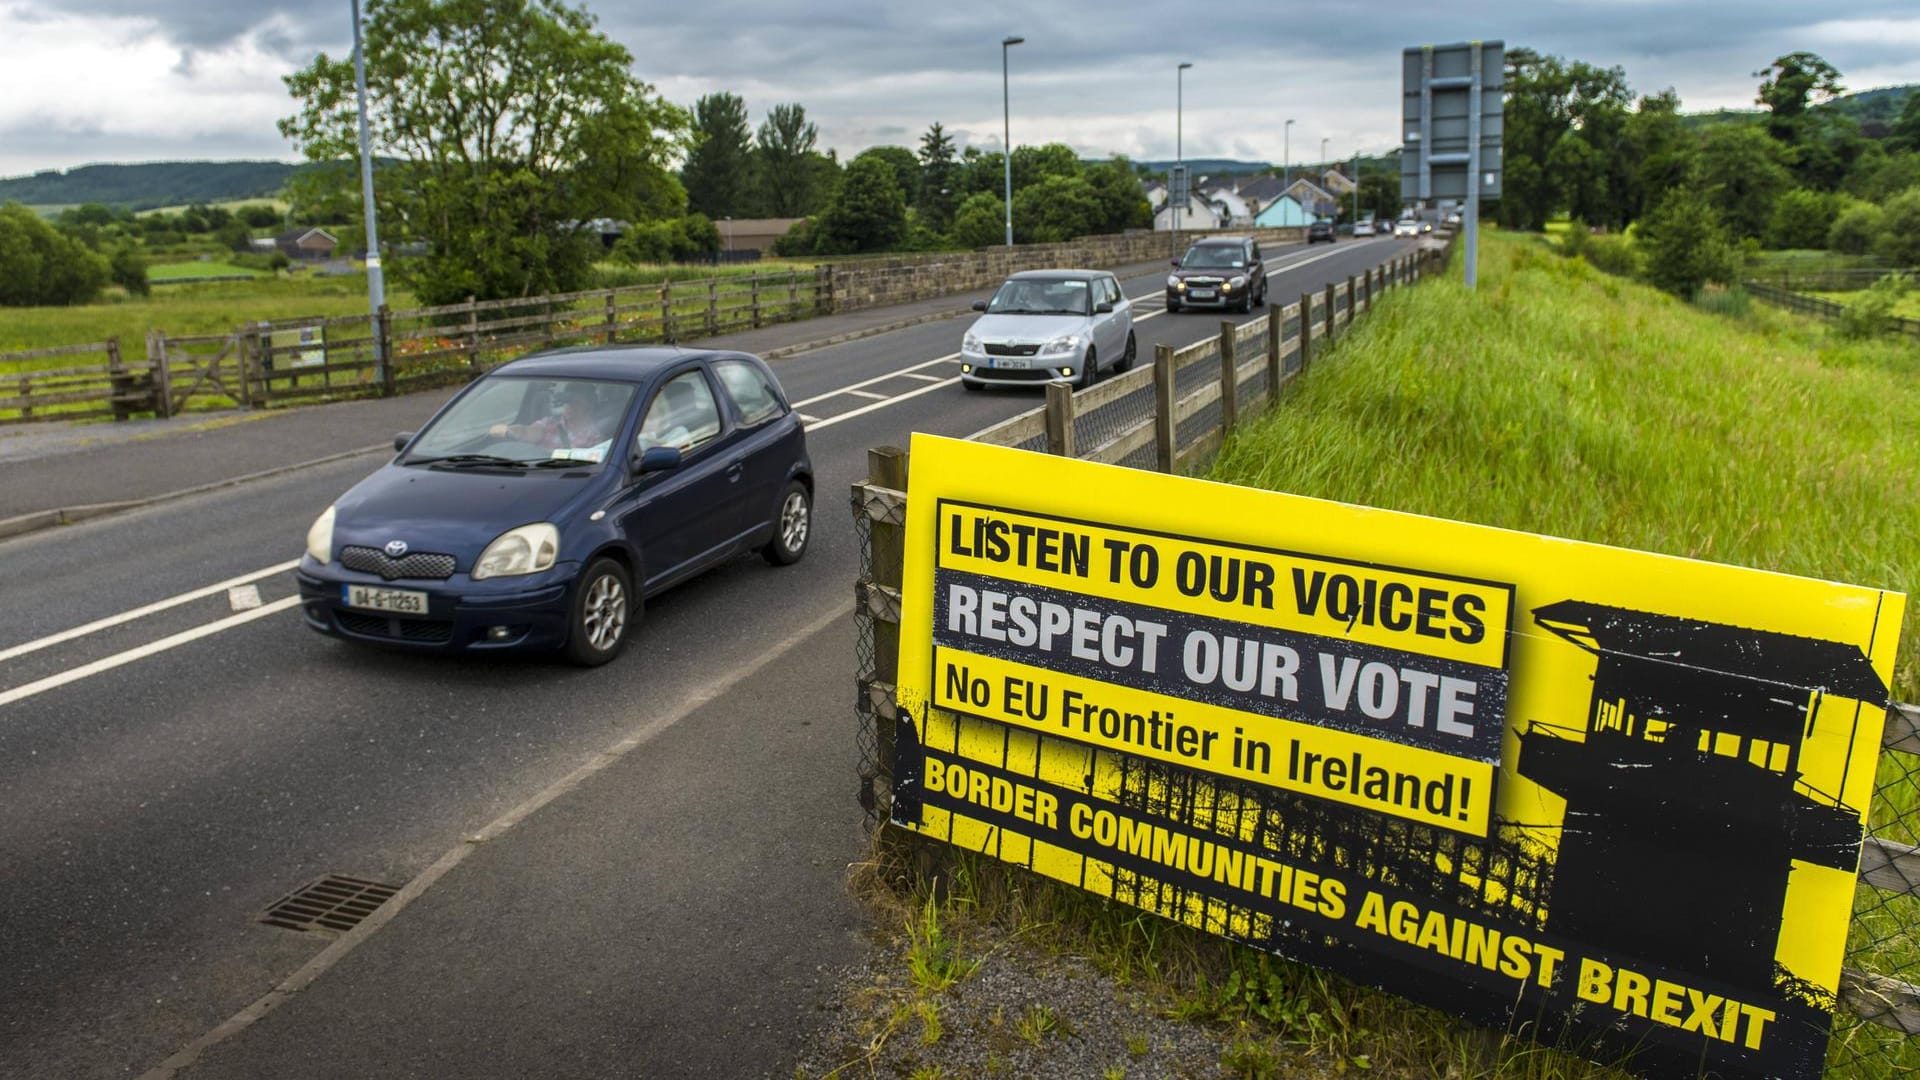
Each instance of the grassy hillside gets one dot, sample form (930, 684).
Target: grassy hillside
(1871, 109)
(140, 187)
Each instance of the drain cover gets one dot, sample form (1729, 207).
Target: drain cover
(331, 905)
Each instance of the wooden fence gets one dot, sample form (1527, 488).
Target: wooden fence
(1174, 415)
(324, 358)
(1822, 308)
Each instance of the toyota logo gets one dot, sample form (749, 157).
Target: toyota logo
(396, 548)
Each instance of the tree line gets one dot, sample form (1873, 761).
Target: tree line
(1693, 200)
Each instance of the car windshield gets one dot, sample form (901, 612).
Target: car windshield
(1214, 257)
(1040, 296)
(522, 422)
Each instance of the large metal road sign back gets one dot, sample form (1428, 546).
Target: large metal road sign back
(1451, 129)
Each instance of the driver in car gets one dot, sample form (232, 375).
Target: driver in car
(573, 427)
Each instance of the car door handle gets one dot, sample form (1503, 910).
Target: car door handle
(735, 470)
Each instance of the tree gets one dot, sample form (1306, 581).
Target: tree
(1032, 164)
(1788, 85)
(906, 168)
(1857, 229)
(718, 174)
(939, 179)
(128, 269)
(509, 125)
(1660, 149)
(980, 221)
(982, 173)
(1741, 174)
(1380, 194)
(1905, 132)
(784, 148)
(1547, 98)
(41, 266)
(869, 213)
(1116, 187)
(1055, 209)
(1899, 241)
(1801, 219)
(1684, 244)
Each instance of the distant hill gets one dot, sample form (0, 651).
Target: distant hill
(1873, 110)
(141, 187)
(1210, 166)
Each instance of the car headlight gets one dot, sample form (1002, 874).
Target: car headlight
(320, 537)
(1174, 282)
(970, 343)
(1238, 281)
(528, 549)
(1060, 345)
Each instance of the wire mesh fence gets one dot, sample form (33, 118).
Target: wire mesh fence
(1878, 1033)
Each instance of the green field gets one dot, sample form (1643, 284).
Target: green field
(1908, 306)
(197, 268)
(1559, 400)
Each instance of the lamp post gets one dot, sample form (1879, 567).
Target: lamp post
(727, 221)
(1006, 129)
(1323, 151)
(376, 281)
(1179, 157)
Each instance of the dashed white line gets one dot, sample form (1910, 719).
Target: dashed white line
(140, 612)
(923, 378)
(869, 395)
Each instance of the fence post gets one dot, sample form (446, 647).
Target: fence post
(1330, 327)
(887, 468)
(713, 306)
(753, 282)
(473, 333)
(666, 309)
(546, 316)
(162, 375)
(1164, 425)
(1060, 418)
(613, 323)
(1229, 379)
(793, 294)
(1276, 323)
(1306, 330)
(383, 325)
(26, 392)
(1353, 300)
(117, 381)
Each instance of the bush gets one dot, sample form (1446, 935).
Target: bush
(1801, 219)
(797, 241)
(1899, 240)
(1685, 245)
(980, 221)
(129, 270)
(1614, 255)
(41, 266)
(667, 240)
(1872, 314)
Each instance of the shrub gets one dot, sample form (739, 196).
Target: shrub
(1856, 229)
(980, 221)
(1685, 245)
(1614, 255)
(1899, 240)
(1872, 314)
(797, 241)
(39, 265)
(1801, 219)
(129, 270)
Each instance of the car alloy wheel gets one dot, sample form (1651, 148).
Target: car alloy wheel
(1089, 370)
(1126, 358)
(603, 610)
(792, 526)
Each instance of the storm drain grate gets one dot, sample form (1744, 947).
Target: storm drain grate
(333, 904)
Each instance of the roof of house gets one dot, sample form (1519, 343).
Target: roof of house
(294, 236)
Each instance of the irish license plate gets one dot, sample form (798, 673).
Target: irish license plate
(1202, 294)
(1006, 364)
(373, 598)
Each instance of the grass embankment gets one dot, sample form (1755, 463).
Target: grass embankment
(1554, 400)
(197, 268)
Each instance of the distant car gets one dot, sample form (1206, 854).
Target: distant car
(1218, 272)
(1320, 230)
(1049, 324)
(1363, 228)
(1426, 226)
(1453, 219)
(1406, 227)
(539, 507)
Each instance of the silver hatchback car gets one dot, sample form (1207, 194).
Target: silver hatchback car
(1049, 324)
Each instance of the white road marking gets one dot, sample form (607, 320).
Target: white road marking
(869, 395)
(805, 419)
(243, 597)
(139, 612)
(922, 378)
(108, 663)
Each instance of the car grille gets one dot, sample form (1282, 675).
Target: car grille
(995, 348)
(429, 631)
(1041, 375)
(1203, 282)
(428, 565)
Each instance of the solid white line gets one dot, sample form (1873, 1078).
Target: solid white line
(869, 395)
(922, 378)
(109, 663)
(325, 959)
(805, 419)
(875, 379)
(895, 400)
(139, 612)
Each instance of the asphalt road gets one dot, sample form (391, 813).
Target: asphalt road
(164, 778)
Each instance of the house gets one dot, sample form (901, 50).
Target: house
(1337, 184)
(1284, 212)
(1199, 214)
(1313, 198)
(1260, 190)
(1231, 207)
(1156, 193)
(308, 245)
(753, 234)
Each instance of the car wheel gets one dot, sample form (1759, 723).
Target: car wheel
(1089, 371)
(604, 612)
(971, 385)
(792, 526)
(1261, 300)
(1126, 358)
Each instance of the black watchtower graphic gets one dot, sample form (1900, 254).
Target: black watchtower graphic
(1685, 801)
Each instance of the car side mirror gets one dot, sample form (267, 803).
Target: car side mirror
(1176, 264)
(656, 459)
(401, 440)
(1102, 308)
(979, 305)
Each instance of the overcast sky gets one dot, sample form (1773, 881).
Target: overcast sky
(145, 80)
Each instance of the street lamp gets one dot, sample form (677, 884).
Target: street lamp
(376, 279)
(1179, 158)
(1006, 129)
(727, 220)
(1286, 154)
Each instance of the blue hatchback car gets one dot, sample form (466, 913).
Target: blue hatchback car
(540, 506)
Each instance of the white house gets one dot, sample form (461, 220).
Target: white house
(1199, 214)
